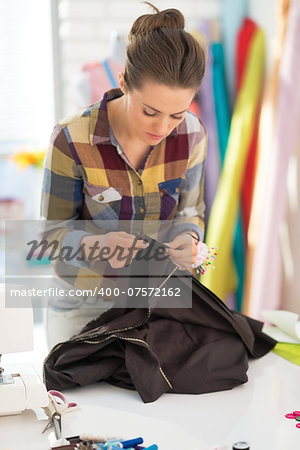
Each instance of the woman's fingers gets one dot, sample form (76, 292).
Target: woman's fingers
(183, 258)
(125, 240)
(124, 248)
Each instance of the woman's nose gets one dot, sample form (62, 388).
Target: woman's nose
(162, 127)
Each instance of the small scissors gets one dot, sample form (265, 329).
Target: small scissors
(58, 406)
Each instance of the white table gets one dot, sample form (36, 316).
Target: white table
(253, 412)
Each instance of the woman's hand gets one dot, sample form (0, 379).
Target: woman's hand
(117, 247)
(183, 250)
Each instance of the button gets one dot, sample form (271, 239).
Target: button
(139, 181)
(177, 189)
(142, 210)
(100, 198)
(241, 446)
(290, 416)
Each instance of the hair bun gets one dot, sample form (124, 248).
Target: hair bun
(168, 18)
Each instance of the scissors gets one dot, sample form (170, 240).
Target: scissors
(58, 406)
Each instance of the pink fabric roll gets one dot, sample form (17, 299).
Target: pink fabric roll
(290, 240)
(266, 275)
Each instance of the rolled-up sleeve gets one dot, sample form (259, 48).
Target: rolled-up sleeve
(62, 196)
(191, 206)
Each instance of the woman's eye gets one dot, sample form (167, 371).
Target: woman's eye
(154, 114)
(149, 114)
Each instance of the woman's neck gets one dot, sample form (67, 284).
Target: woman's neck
(117, 117)
(134, 148)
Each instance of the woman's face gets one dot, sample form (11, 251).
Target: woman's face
(155, 110)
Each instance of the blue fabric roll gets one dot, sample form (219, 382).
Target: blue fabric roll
(233, 12)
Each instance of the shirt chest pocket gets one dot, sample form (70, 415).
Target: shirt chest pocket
(170, 187)
(169, 195)
(102, 202)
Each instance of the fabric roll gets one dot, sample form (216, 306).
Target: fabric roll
(288, 351)
(264, 153)
(239, 258)
(225, 208)
(290, 240)
(205, 97)
(223, 124)
(220, 96)
(244, 38)
(266, 275)
(233, 12)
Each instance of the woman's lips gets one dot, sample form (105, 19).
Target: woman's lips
(155, 136)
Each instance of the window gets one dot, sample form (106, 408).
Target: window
(26, 74)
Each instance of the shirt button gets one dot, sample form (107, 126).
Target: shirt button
(142, 210)
(177, 189)
(139, 181)
(100, 197)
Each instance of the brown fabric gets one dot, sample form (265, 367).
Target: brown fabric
(203, 348)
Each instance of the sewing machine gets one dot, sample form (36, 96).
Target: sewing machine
(22, 389)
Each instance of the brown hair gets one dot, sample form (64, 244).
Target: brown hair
(161, 50)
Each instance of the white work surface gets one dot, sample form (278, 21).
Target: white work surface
(253, 412)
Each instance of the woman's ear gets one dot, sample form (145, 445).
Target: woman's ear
(122, 82)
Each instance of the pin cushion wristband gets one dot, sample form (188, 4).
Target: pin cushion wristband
(205, 257)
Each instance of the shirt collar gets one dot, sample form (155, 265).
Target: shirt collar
(100, 130)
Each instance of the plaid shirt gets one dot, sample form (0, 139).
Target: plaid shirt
(88, 176)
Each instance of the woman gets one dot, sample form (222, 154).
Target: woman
(136, 155)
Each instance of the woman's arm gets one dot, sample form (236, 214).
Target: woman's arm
(191, 206)
(189, 218)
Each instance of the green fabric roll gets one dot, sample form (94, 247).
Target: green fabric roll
(288, 351)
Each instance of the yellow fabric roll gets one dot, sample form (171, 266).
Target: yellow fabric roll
(223, 215)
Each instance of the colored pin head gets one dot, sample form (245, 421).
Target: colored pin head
(205, 258)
